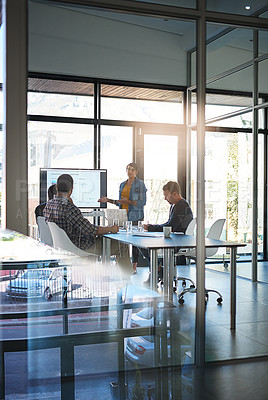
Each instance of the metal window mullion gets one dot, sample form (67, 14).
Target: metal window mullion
(96, 125)
(255, 162)
(188, 132)
(200, 240)
(265, 183)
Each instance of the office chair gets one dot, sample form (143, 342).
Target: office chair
(214, 232)
(44, 231)
(62, 241)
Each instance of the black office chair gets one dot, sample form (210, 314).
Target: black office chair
(214, 232)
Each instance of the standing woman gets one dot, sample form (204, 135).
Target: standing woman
(132, 197)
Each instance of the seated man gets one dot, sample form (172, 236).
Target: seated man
(82, 233)
(40, 208)
(180, 214)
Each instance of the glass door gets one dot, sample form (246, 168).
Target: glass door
(160, 166)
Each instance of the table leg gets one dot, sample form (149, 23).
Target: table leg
(233, 287)
(154, 269)
(106, 252)
(168, 274)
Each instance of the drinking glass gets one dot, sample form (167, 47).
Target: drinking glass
(129, 226)
(140, 226)
(116, 221)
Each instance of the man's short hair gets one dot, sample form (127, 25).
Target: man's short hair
(64, 183)
(52, 190)
(172, 187)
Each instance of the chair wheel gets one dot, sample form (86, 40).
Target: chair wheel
(219, 300)
(192, 286)
(183, 284)
(181, 300)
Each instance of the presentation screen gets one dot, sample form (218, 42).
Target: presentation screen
(89, 185)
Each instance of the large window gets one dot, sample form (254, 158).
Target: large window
(60, 98)
(160, 166)
(116, 153)
(56, 145)
(64, 132)
(141, 104)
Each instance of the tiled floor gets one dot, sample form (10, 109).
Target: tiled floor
(221, 378)
(250, 338)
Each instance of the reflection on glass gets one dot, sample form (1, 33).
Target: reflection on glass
(262, 75)
(228, 187)
(1, 111)
(237, 7)
(218, 106)
(178, 3)
(56, 145)
(159, 149)
(227, 52)
(116, 154)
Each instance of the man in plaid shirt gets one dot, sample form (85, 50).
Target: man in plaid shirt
(82, 233)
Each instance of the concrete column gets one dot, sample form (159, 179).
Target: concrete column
(15, 66)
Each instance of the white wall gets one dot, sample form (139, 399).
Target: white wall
(71, 42)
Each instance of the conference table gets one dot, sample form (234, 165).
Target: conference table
(154, 241)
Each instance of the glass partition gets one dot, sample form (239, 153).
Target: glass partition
(247, 8)
(228, 166)
(1, 111)
(178, 3)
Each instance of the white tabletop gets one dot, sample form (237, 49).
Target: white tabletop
(156, 240)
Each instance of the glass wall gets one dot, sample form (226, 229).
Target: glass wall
(247, 8)
(68, 139)
(1, 110)
(228, 187)
(116, 337)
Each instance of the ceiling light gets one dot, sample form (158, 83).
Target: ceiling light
(247, 7)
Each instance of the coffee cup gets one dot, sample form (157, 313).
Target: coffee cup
(167, 231)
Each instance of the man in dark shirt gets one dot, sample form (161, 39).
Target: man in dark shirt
(81, 232)
(180, 215)
(40, 208)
